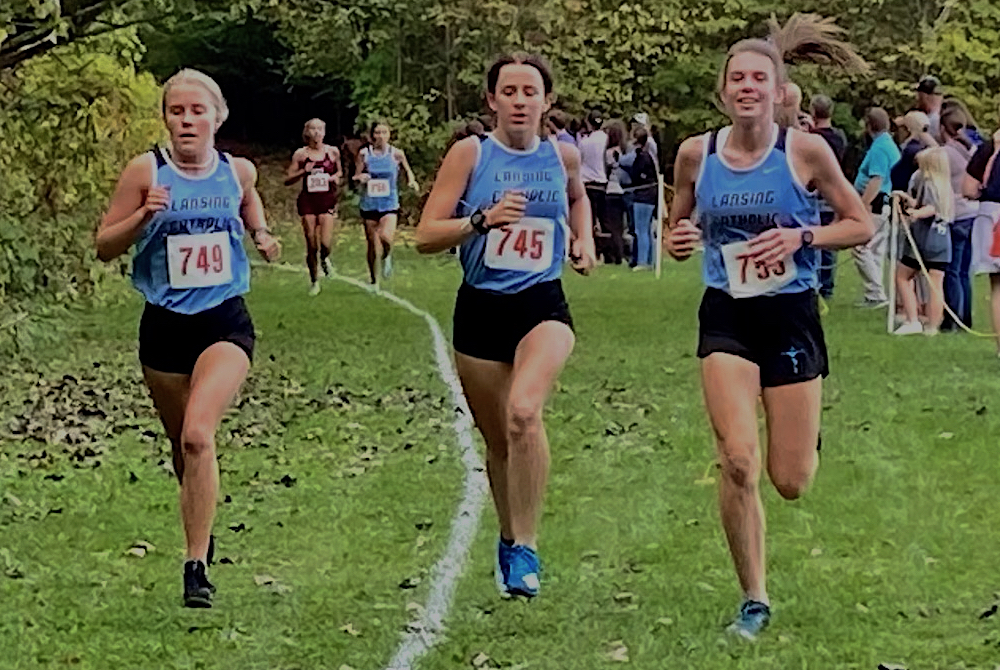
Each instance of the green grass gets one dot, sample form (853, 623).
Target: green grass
(890, 558)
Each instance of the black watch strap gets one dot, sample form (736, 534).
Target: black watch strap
(807, 239)
(478, 221)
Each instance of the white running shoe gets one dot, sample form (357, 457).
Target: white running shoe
(327, 266)
(314, 289)
(909, 328)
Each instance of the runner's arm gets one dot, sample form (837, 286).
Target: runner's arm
(127, 211)
(814, 162)
(252, 210)
(684, 236)
(581, 225)
(360, 173)
(437, 230)
(338, 172)
(293, 174)
(411, 179)
(853, 223)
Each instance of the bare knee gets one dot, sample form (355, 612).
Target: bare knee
(791, 483)
(197, 440)
(739, 467)
(524, 422)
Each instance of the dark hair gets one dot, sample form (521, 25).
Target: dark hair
(376, 124)
(821, 106)
(616, 134)
(877, 120)
(519, 58)
(641, 136)
(487, 121)
(953, 122)
(595, 119)
(558, 118)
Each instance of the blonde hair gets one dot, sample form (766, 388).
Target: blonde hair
(198, 78)
(805, 38)
(935, 174)
(918, 125)
(305, 128)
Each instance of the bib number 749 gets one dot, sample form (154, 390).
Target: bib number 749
(197, 261)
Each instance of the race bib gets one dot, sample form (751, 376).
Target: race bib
(525, 246)
(318, 182)
(379, 188)
(749, 278)
(197, 261)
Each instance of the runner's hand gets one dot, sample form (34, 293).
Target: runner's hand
(683, 239)
(775, 244)
(157, 200)
(363, 178)
(581, 258)
(511, 208)
(269, 248)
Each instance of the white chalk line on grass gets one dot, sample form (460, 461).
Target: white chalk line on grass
(426, 630)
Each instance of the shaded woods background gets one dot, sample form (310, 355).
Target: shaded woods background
(78, 83)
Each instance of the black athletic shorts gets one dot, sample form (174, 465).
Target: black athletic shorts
(914, 264)
(376, 216)
(172, 342)
(490, 325)
(781, 334)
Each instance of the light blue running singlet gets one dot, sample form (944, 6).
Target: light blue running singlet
(736, 205)
(190, 257)
(532, 250)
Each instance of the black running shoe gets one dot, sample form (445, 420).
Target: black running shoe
(197, 589)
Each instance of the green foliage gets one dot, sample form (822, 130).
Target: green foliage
(69, 121)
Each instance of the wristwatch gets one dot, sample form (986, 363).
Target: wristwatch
(478, 221)
(807, 239)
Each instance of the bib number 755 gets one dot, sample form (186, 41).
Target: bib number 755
(748, 277)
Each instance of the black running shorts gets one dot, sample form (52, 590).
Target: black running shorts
(172, 342)
(781, 334)
(490, 325)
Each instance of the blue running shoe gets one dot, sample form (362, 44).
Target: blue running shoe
(502, 569)
(752, 619)
(522, 579)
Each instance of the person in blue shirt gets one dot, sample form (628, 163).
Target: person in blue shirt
(754, 186)
(185, 210)
(378, 174)
(874, 183)
(515, 204)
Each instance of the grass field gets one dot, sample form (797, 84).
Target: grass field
(341, 476)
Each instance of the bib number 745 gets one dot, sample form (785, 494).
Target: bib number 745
(526, 245)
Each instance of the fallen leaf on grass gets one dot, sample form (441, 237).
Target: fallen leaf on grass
(410, 583)
(140, 549)
(618, 653)
(350, 630)
(946, 435)
(989, 611)
(481, 660)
